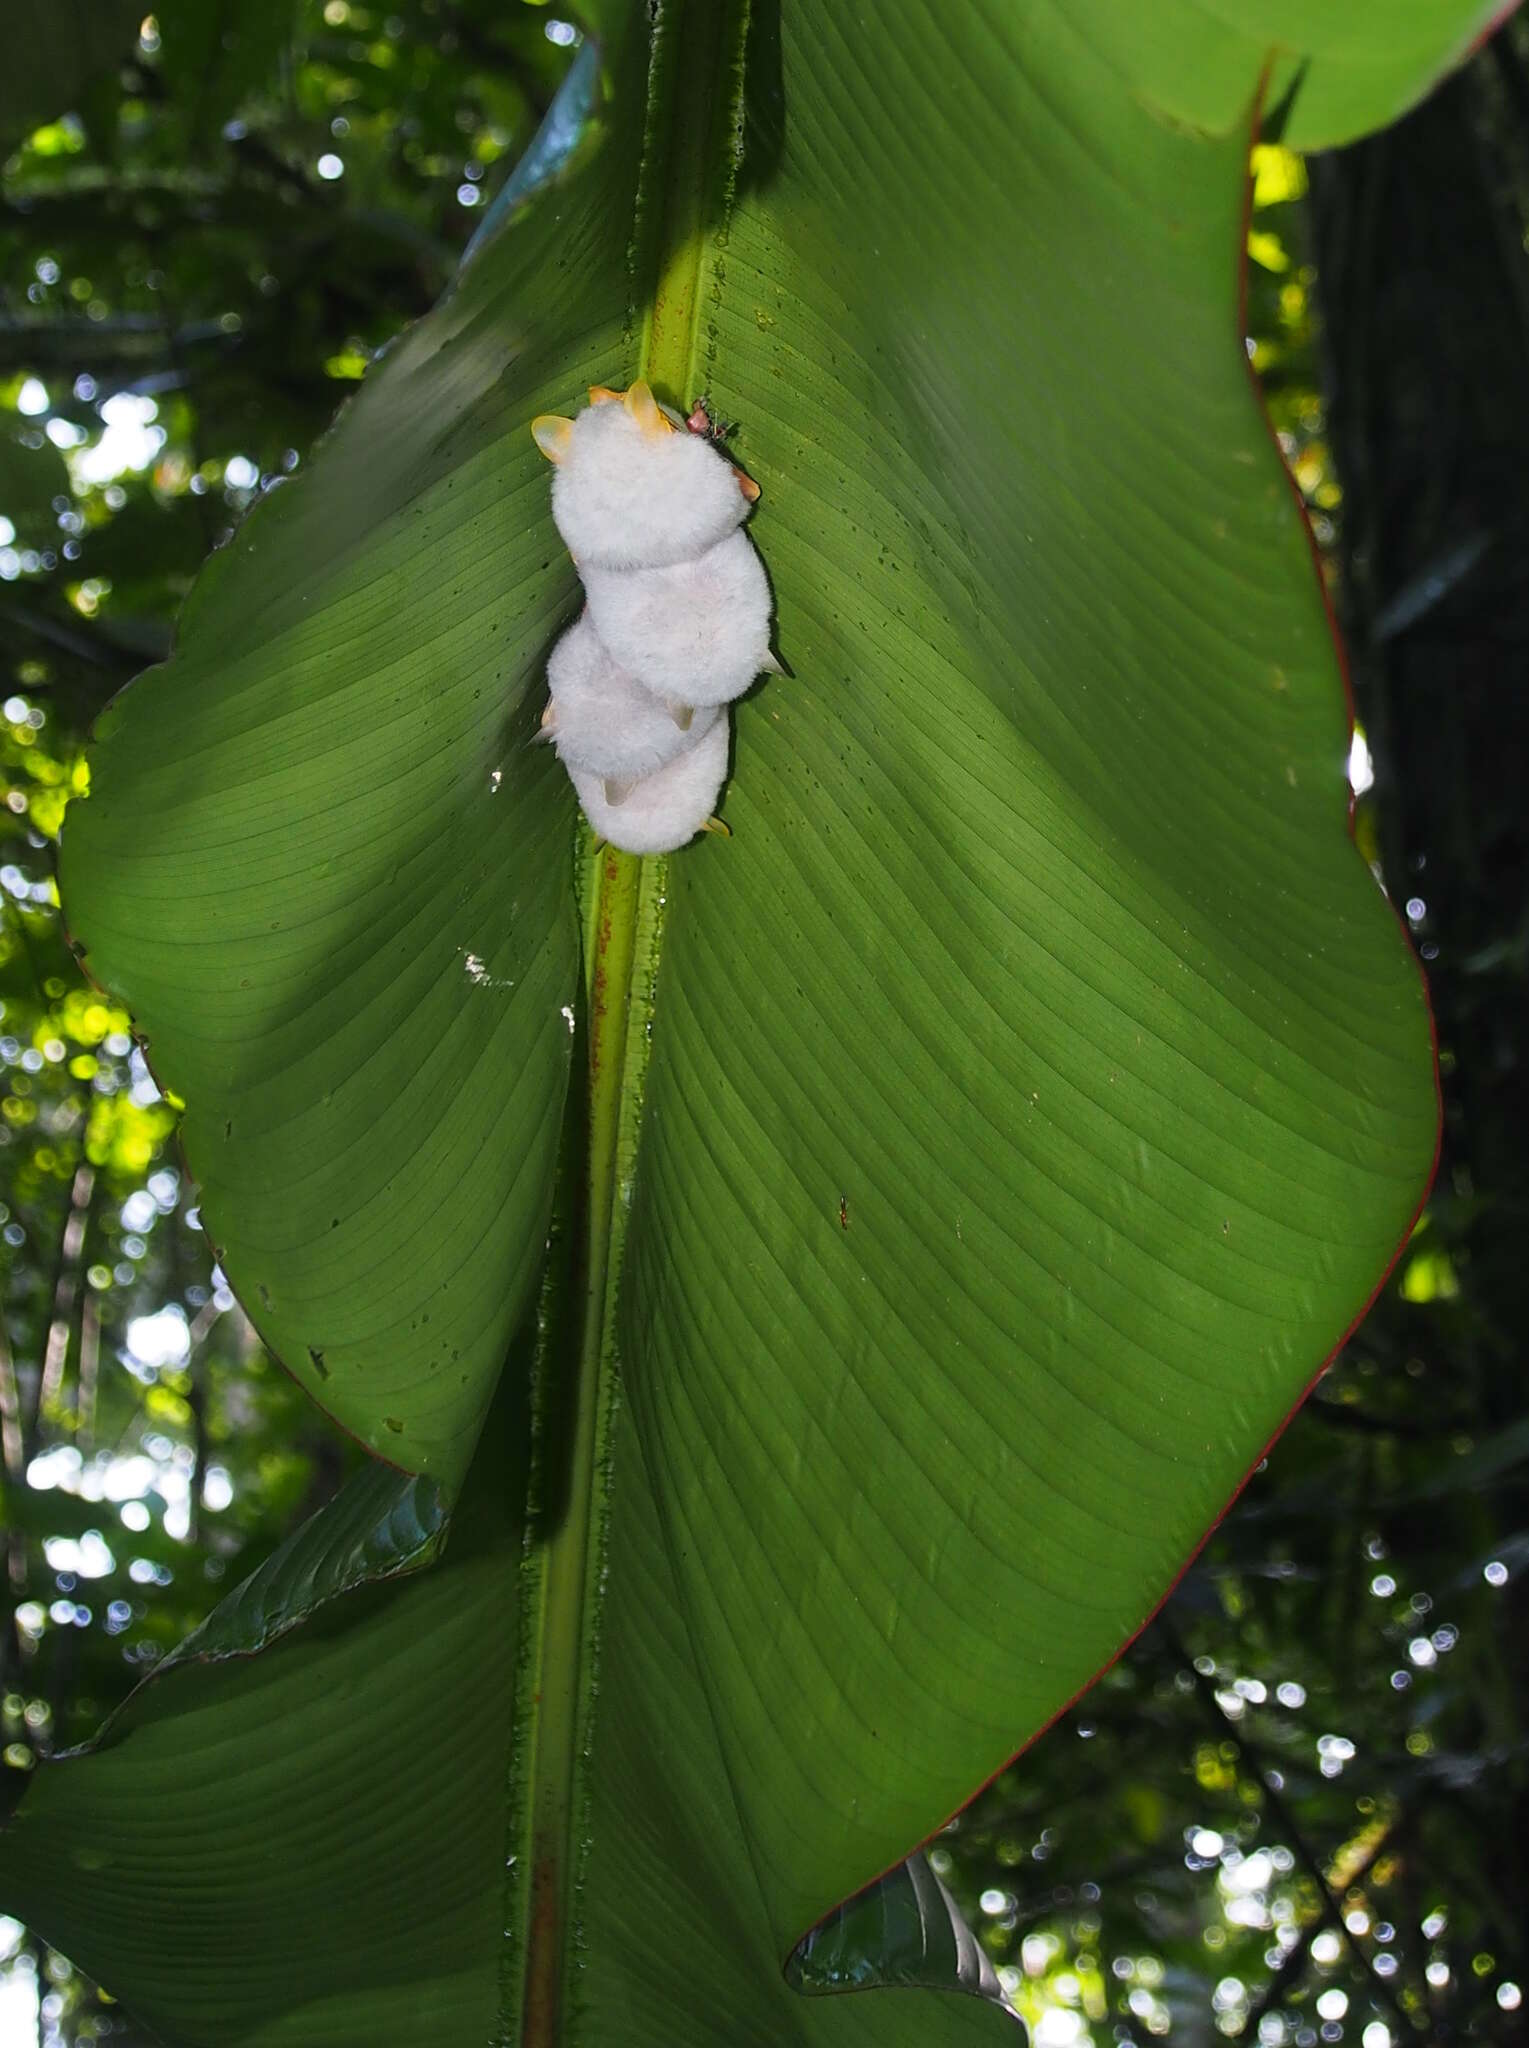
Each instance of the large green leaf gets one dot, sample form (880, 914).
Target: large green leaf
(346, 1884)
(1042, 943)
(330, 876)
(1353, 68)
(1038, 1084)
(332, 1886)
(30, 479)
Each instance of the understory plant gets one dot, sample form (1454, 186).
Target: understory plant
(807, 1297)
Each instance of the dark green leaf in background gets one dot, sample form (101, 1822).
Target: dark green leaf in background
(31, 477)
(56, 56)
(219, 51)
(1358, 67)
(302, 1846)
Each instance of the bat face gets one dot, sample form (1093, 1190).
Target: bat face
(632, 489)
(677, 621)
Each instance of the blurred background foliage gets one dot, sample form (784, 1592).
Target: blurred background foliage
(1295, 1811)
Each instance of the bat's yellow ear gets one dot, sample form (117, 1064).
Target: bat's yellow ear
(746, 484)
(644, 408)
(552, 434)
(602, 394)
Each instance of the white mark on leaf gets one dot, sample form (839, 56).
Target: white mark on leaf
(478, 974)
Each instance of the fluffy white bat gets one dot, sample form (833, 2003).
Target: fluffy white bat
(666, 809)
(697, 632)
(677, 620)
(600, 720)
(635, 491)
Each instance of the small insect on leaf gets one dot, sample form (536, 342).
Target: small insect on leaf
(700, 421)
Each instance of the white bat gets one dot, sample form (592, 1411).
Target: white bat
(677, 622)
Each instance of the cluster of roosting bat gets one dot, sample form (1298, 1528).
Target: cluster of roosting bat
(676, 619)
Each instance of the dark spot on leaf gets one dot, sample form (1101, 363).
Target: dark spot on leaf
(394, 1424)
(318, 1361)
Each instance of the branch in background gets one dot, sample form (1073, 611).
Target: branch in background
(66, 1287)
(196, 1359)
(88, 1380)
(197, 1401)
(92, 646)
(251, 151)
(72, 336)
(12, 1450)
(12, 909)
(1340, 1415)
(1286, 1974)
(1275, 1803)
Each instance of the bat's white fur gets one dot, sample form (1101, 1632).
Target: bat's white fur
(664, 810)
(625, 498)
(697, 632)
(604, 722)
(677, 621)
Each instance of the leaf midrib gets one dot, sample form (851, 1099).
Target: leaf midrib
(694, 87)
